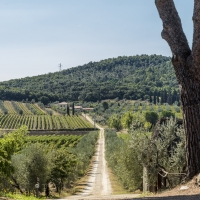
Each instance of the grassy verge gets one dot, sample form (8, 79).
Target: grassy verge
(117, 188)
(20, 196)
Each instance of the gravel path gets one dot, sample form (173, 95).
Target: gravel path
(99, 182)
(98, 185)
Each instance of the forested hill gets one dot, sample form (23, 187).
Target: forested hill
(132, 77)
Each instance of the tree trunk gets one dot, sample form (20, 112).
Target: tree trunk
(190, 98)
(187, 68)
(145, 179)
(16, 185)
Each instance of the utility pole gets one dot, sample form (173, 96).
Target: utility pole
(60, 67)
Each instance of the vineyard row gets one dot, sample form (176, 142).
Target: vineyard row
(43, 122)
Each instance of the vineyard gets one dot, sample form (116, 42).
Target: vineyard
(35, 117)
(61, 141)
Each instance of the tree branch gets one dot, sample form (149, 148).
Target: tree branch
(172, 28)
(196, 35)
(16, 184)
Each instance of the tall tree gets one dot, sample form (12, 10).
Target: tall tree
(67, 109)
(186, 64)
(73, 108)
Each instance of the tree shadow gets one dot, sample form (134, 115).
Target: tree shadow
(181, 197)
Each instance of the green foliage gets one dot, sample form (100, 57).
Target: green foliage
(60, 160)
(63, 171)
(19, 196)
(41, 105)
(32, 109)
(151, 116)
(11, 143)
(32, 163)
(72, 108)
(127, 106)
(123, 161)
(166, 150)
(44, 122)
(133, 77)
(115, 122)
(127, 119)
(17, 108)
(44, 100)
(54, 141)
(84, 151)
(105, 105)
(2, 107)
(167, 113)
(58, 109)
(68, 110)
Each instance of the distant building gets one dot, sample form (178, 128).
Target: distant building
(63, 104)
(78, 107)
(88, 109)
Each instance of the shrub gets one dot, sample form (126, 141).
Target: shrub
(115, 122)
(151, 116)
(123, 161)
(167, 113)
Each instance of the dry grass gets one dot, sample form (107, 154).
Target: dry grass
(193, 189)
(117, 187)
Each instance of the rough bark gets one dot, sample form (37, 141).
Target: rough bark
(187, 68)
(196, 40)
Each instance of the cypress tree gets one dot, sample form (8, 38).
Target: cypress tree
(150, 99)
(158, 99)
(154, 99)
(73, 108)
(165, 97)
(67, 109)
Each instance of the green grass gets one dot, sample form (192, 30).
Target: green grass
(123, 136)
(20, 196)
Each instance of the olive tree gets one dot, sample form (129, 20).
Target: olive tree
(32, 165)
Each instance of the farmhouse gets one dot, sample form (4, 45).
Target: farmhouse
(63, 104)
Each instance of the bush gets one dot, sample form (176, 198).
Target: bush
(115, 122)
(123, 161)
(167, 113)
(84, 151)
(151, 116)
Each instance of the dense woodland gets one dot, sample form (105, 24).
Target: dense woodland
(134, 77)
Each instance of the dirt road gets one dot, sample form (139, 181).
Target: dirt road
(98, 185)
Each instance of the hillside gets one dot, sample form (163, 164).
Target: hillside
(132, 77)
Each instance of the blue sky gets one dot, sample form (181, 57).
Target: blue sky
(35, 36)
